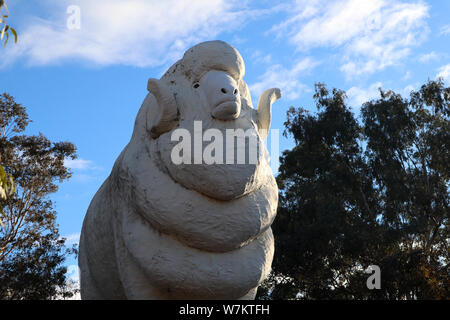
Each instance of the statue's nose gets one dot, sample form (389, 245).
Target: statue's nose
(229, 90)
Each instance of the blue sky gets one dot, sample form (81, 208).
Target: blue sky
(86, 85)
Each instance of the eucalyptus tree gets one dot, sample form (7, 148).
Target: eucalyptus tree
(31, 249)
(360, 192)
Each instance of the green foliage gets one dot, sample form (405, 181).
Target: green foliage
(353, 194)
(13, 119)
(4, 27)
(36, 271)
(6, 184)
(30, 250)
(7, 188)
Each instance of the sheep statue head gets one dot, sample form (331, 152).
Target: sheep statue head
(187, 209)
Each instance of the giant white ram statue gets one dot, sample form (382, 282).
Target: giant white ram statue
(160, 229)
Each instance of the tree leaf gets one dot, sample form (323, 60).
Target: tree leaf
(3, 32)
(12, 185)
(2, 193)
(7, 38)
(14, 33)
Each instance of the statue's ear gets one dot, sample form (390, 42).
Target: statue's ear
(264, 110)
(163, 113)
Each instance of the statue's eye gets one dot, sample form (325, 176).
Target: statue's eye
(196, 85)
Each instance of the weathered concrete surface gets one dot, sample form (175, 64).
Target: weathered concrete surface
(158, 230)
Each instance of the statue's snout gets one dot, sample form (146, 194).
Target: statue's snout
(222, 95)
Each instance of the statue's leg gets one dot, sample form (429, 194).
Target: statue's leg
(88, 286)
(135, 283)
(88, 289)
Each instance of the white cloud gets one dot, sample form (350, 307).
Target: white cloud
(427, 57)
(357, 96)
(407, 75)
(130, 32)
(78, 164)
(73, 281)
(373, 34)
(407, 90)
(259, 57)
(73, 272)
(444, 72)
(285, 79)
(84, 171)
(71, 239)
(445, 30)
